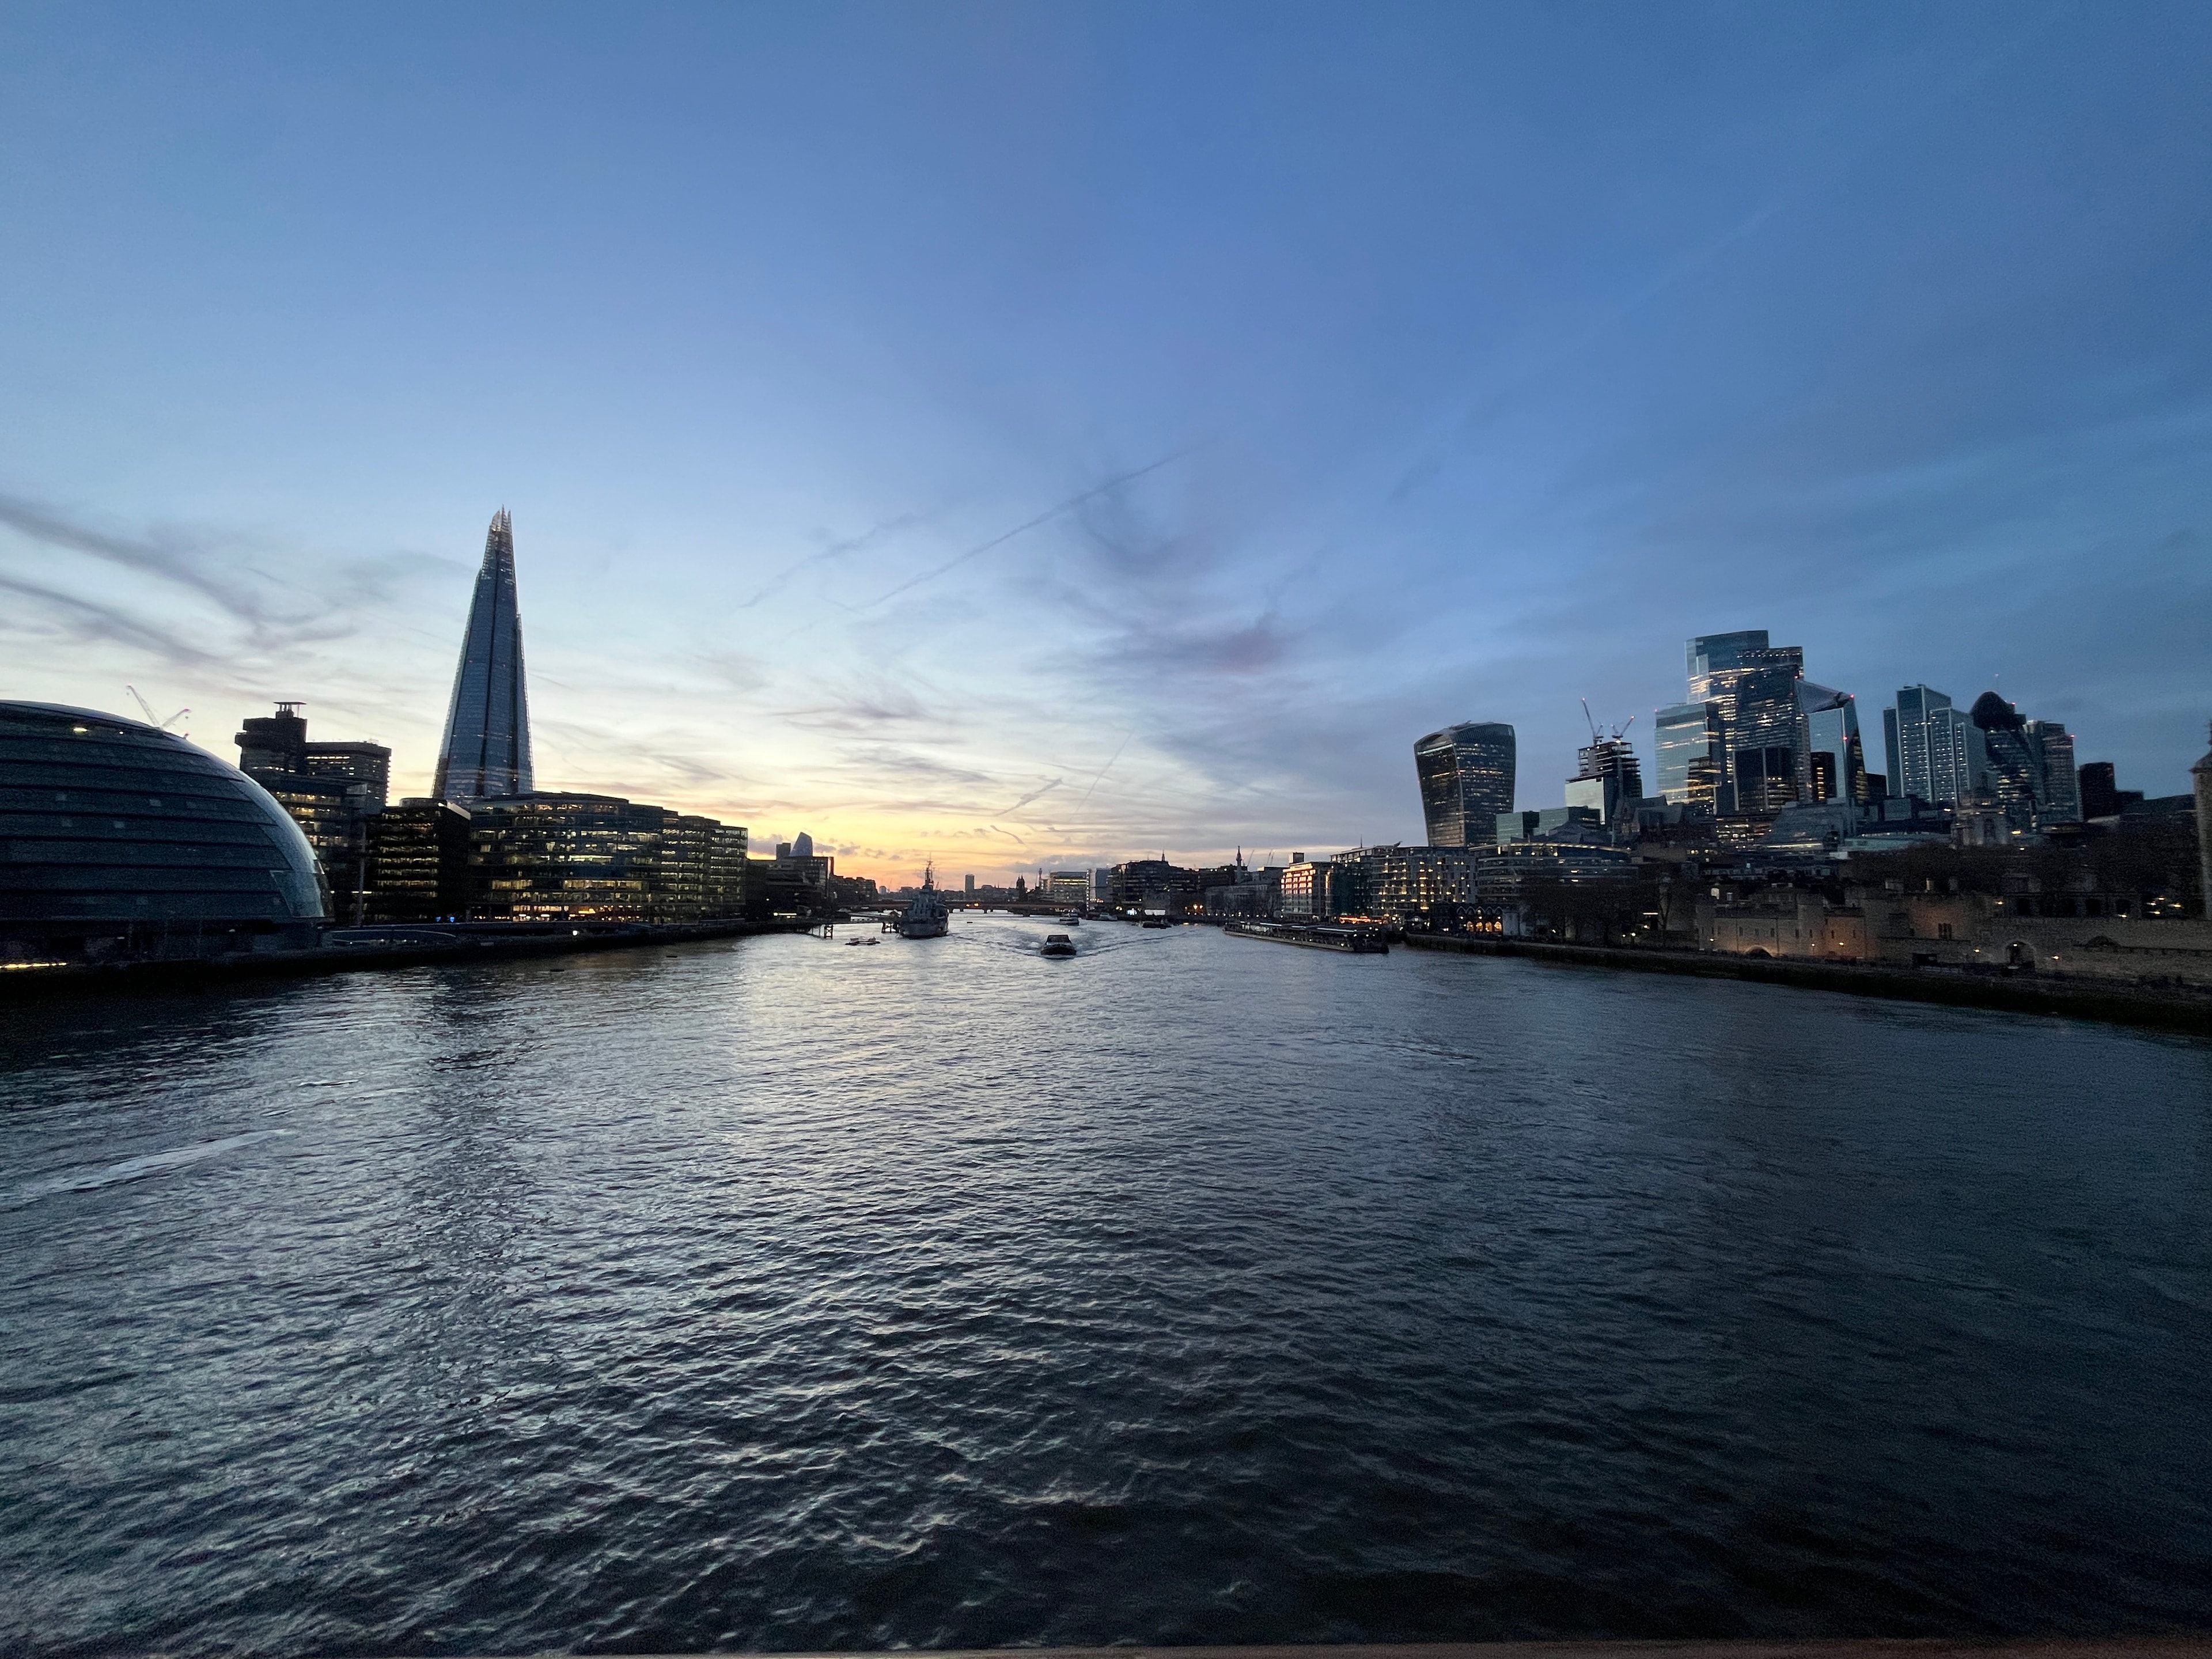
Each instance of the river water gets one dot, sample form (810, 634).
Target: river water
(785, 1293)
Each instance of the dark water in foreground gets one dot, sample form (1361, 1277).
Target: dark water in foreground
(787, 1294)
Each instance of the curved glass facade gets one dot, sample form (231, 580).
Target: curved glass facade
(1467, 774)
(116, 835)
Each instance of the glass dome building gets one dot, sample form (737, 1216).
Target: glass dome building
(122, 842)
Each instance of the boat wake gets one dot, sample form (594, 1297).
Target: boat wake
(134, 1168)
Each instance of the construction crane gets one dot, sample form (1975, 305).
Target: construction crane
(1598, 737)
(159, 726)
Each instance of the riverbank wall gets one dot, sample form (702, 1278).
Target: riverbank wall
(2013, 993)
(355, 950)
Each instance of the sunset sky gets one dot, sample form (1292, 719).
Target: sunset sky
(1037, 435)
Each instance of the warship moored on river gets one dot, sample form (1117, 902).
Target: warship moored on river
(926, 917)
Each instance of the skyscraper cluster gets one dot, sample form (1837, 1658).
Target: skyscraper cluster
(1755, 744)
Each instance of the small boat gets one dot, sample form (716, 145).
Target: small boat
(1056, 945)
(1157, 921)
(1070, 921)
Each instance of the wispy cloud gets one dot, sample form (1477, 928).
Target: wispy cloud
(86, 619)
(169, 561)
(865, 709)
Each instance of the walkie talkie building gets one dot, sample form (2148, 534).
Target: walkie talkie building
(486, 752)
(1466, 780)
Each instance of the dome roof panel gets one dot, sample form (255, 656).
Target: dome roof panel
(105, 820)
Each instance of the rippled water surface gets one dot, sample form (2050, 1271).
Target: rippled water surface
(786, 1293)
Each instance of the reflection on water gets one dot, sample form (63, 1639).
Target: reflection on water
(778, 1294)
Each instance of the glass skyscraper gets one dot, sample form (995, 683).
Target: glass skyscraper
(1467, 774)
(1752, 689)
(2015, 769)
(2062, 787)
(486, 753)
(1836, 759)
(1935, 752)
(1686, 750)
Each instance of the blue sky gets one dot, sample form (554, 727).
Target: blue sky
(1040, 434)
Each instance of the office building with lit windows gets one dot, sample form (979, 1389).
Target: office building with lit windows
(415, 863)
(2062, 788)
(1752, 689)
(1686, 753)
(599, 858)
(1466, 778)
(1608, 779)
(332, 790)
(1424, 886)
(1935, 752)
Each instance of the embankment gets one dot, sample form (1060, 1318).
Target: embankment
(2019, 993)
(364, 949)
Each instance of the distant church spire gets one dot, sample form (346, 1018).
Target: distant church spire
(487, 747)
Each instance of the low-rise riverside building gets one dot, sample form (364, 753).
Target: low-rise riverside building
(1410, 886)
(1504, 872)
(1308, 889)
(416, 863)
(1966, 932)
(541, 858)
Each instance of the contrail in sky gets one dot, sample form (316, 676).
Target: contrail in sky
(1045, 517)
(1109, 766)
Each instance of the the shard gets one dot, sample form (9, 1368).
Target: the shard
(486, 752)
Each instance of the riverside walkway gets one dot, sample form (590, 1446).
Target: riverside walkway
(2021, 994)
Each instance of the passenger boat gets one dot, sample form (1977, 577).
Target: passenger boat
(926, 917)
(1056, 945)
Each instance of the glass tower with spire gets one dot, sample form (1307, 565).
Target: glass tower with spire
(486, 752)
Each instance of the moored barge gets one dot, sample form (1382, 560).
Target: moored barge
(1314, 936)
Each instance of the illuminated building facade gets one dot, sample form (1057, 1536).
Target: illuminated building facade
(1935, 752)
(1503, 873)
(1687, 753)
(1753, 686)
(599, 858)
(1606, 776)
(1308, 889)
(1430, 886)
(2062, 787)
(1466, 777)
(416, 863)
(699, 871)
(486, 752)
(331, 789)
